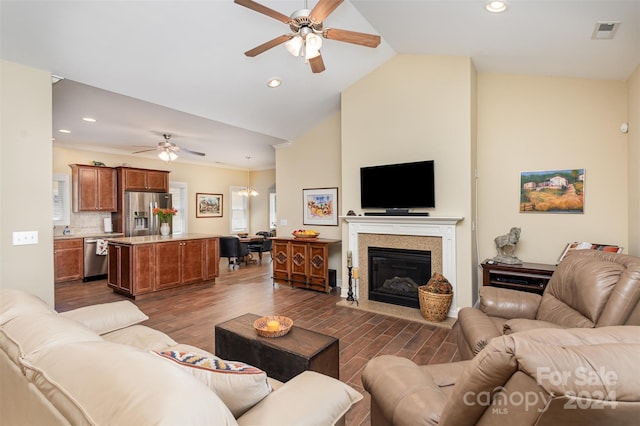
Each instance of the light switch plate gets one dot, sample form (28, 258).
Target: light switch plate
(25, 237)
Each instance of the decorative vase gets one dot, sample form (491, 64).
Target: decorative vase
(164, 229)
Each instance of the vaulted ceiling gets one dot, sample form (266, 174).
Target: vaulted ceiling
(144, 68)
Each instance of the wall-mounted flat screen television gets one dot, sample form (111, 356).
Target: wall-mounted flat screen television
(398, 186)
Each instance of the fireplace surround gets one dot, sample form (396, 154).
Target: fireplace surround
(435, 234)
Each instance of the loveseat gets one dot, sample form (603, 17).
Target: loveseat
(589, 288)
(98, 365)
(539, 377)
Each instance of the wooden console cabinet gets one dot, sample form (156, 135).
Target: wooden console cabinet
(68, 257)
(530, 277)
(140, 265)
(302, 263)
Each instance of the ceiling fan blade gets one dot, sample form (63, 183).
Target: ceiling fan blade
(268, 45)
(324, 8)
(369, 40)
(201, 154)
(264, 10)
(145, 150)
(317, 64)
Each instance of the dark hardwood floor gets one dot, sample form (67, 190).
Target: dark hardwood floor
(189, 316)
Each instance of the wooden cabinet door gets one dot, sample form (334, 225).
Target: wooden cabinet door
(318, 266)
(298, 263)
(68, 256)
(119, 268)
(192, 256)
(86, 189)
(157, 181)
(144, 274)
(168, 262)
(212, 258)
(280, 261)
(106, 189)
(135, 180)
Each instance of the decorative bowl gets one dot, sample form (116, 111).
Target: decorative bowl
(283, 327)
(300, 235)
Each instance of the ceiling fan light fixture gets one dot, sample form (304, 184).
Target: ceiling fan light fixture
(312, 45)
(167, 155)
(294, 45)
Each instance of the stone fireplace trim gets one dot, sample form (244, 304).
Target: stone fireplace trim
(424, 226)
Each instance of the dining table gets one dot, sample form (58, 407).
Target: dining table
(246, 240)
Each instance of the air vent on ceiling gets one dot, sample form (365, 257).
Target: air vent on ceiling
(605, 30)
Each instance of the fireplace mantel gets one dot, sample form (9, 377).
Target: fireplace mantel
(426, 226)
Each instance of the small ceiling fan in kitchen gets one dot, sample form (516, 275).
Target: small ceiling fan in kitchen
(168, 151)
(307, 32)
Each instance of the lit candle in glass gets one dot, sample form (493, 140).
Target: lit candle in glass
(355, 273)
(273, 325)
(349, 257)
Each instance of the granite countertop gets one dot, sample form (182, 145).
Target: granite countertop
(91, 235)
(146, 239)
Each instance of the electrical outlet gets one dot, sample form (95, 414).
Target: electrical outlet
(283, 222)
(25, 237)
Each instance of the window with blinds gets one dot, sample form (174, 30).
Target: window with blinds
(239, 211)
(61, 199)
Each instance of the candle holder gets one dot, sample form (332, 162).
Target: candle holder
(350, 291)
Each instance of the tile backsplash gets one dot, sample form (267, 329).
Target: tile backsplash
(84, 223)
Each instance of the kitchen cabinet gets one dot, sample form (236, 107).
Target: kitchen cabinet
(132, 179)
(94, 188)
(140, 265)
(68, 256)
(302, 263)
(179, 263)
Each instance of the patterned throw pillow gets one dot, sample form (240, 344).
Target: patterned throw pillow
(240, 386)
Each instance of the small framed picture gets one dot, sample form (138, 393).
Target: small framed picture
(208, 205)
(320, 206)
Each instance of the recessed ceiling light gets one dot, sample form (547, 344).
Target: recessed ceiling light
(64, 131)
(496, 6)
(274, 82)
(89, 119)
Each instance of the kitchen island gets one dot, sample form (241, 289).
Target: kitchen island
(151, 263)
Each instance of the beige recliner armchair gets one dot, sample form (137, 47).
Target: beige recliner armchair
(588, 289)
(539, 377)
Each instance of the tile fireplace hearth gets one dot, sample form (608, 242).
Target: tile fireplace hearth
(434, 234)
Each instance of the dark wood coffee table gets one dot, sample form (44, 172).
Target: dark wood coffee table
(282, 358)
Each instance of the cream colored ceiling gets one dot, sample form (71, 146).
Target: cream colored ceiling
(143, 68)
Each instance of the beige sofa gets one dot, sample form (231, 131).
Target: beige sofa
(99, 366)
(539, 377)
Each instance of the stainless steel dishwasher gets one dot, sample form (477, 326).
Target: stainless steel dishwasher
(95, 265)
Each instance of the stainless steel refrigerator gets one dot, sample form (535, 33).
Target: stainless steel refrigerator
(138, 213)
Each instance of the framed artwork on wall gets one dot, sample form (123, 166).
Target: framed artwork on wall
(320, 206)
(208, 205)
(552, 191)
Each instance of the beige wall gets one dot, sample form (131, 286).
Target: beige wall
(263, 181)
(198, 178)
(529, 123)
(25, 179)
(416, 108)
(633, 142)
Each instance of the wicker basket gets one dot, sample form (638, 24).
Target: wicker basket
(261, 326)
(434, 306)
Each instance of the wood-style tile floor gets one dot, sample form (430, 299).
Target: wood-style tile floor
(189, 316)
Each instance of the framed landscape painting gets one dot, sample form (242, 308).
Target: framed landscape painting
(552, 191)
(320, 206)
(208, 205)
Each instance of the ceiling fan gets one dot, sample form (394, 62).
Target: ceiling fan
(168, 151)
(308, 31)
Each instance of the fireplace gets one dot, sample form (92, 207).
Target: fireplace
(395, 275)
